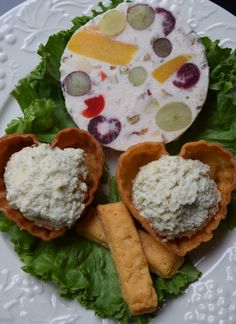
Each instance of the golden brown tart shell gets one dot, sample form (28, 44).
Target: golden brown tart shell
(223, 172)
(69, 137)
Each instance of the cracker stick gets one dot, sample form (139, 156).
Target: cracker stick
(129, 258)
(90, 227)
(160, 260)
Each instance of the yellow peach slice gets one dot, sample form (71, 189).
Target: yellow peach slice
(93, 44)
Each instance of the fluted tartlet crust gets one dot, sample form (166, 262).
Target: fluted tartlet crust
(69, 137)
(222, 171)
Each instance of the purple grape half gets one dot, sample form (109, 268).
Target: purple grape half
(77, 83)
(162, 47)
(168, 22)
(187, 76)
(104, 130)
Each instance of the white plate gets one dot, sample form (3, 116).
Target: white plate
(24, 299)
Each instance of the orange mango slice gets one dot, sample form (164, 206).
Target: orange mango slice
(93, 44)
(163, 72)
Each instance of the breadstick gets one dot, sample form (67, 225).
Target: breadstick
(90, 227)
(129, 258)
(160, 260)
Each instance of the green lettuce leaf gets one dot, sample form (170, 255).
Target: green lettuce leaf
(113, 195)
(44, 81)
(81, 269)
(178, 283)
(85, 271)
(222, 123)
(38, 119)
(106, 174)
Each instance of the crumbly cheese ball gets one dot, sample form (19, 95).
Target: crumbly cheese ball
(47, 184)
(176, 195)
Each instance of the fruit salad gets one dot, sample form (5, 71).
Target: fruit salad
(133, 74)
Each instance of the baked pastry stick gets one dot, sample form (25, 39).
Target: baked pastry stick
(91, 228)
(160, 260)
(129, 258)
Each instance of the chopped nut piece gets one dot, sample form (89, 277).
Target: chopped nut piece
(166, 93)
(124, 69)
(147, 57)
(143, 131)
(134, 119)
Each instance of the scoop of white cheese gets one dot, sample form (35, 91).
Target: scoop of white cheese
(47, 184)
(176, 195)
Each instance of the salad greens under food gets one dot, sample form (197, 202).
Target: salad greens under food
(84, 271)
(81, 269)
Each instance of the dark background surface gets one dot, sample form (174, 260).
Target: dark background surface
(229, 5)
